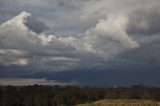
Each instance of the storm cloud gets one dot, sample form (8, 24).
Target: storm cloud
(70, 36)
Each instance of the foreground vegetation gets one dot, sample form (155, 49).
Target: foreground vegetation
(37, 95)
(122, 103)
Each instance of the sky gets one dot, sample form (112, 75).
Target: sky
(80, 42)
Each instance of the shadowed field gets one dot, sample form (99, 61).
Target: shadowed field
(122, 103)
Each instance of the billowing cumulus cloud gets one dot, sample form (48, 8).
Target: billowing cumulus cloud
(17, 36)
(68, 35)
(112, 32)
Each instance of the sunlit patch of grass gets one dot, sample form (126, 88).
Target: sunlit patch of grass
(122, 103)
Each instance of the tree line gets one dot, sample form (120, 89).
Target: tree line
(38, 95)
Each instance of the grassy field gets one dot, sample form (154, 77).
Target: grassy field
(122, 103)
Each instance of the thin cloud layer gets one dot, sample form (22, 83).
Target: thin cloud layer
(25, 82)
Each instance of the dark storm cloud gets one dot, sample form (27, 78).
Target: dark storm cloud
(147, 55)
(145, 22)
(36, 26)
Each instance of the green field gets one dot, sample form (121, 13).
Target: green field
(122, 103)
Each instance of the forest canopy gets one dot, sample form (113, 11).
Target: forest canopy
(38, 95)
